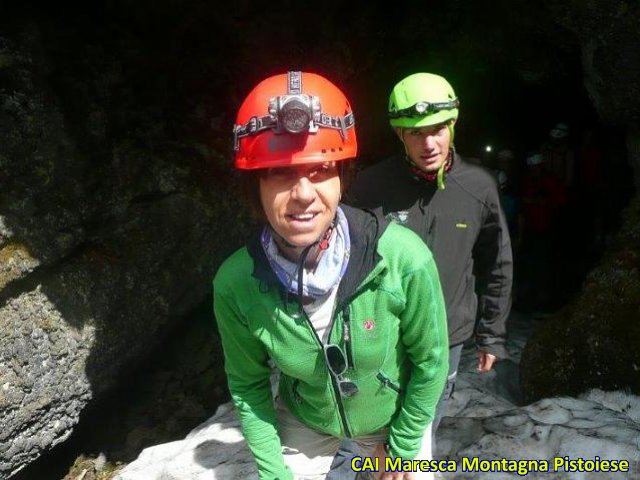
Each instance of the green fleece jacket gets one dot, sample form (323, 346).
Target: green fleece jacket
(391, 299)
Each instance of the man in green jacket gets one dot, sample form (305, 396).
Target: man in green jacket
(347, 306)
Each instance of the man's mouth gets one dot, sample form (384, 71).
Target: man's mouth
(302, 217)
(429, 158)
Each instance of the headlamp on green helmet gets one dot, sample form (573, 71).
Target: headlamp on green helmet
(422, 109)
(422, 99)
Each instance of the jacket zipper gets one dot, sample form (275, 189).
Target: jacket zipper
(346, 318)
(334, 383)
(344, 306)
(387, 382)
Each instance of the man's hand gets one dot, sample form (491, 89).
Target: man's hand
(485, 362)
(382, 475)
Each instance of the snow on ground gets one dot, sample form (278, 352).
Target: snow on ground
(484, 423)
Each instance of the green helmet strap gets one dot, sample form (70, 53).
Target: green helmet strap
(441, 176)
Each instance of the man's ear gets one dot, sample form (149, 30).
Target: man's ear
(398, 131)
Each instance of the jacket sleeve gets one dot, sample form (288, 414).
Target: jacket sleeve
(493, 266)
(423, 325)
(247, 369)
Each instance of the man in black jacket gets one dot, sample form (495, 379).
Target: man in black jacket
(454, 206)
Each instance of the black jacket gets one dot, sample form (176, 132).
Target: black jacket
(465, 228)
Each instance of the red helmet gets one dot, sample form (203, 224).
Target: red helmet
(292, 119)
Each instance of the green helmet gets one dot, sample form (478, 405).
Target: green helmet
(422, 99)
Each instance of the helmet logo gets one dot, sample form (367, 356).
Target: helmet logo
(295, 83)
(369, 325)
(400, 217)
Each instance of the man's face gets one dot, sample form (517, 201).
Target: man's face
(427, 147)
(300, 202)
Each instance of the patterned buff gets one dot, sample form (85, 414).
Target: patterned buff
(330, 269)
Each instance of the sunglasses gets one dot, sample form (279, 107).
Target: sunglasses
(337, 363)
(318, 172)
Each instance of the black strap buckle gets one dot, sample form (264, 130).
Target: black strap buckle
(253, 126)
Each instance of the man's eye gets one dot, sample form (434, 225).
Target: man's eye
(323, 170)
(279, 172)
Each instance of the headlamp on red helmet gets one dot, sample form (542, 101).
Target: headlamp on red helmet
(293, 113)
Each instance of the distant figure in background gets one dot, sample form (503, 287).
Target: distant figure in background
(559, 159)
(543, 194)
(509, 189)
(506, 177)
(558, 155)
(591, 184)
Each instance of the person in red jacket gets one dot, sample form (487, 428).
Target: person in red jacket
(543, 200)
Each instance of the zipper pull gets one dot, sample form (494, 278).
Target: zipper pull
(346, 334)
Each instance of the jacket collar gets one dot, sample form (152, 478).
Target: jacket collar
(365, 229)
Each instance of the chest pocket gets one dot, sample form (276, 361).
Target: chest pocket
(375, 329)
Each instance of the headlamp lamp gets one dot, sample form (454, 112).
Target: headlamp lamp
(293, 113)
(422, 109)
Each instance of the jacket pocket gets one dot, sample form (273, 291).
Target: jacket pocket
(388, 383)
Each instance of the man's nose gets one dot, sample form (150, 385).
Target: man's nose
(303, 190)
(430, 142)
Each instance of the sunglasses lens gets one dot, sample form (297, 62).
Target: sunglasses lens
(348, 388)
(336, 359)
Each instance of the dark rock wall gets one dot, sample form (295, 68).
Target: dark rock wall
(111, 222)
(607, 32)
